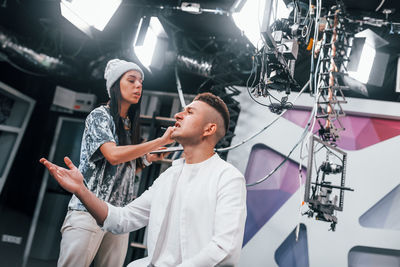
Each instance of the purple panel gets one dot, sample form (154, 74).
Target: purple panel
(264, 199)
(262, 161)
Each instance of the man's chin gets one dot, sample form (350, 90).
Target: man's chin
(174, 137)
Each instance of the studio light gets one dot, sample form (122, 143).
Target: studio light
(85, 14)
(279, 11)
(248, 18)
(367, 64)
(252, 16)
(150, 43)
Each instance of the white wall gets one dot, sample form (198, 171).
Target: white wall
(373, 172)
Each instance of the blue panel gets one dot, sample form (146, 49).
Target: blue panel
(291, 253)
(372, 257)
(261, 206)
(384, 214)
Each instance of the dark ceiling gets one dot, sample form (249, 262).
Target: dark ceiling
(38, 25)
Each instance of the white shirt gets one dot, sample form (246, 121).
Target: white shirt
(202, 225)
(170, 252)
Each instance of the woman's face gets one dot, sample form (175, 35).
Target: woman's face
(131, 87)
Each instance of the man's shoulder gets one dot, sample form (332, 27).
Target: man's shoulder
(225, 167)
(170, 172)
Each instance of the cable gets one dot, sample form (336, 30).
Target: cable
(331, 153)
(263, 129)
(24, 70)
(251, 96)
(380, 5)
(305, 132)
(179, 87)
(285, 159)
(313, 89)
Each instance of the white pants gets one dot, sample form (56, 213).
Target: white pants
(83, 241)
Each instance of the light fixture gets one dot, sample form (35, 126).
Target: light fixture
(279, 10)
(367, 64)
(247, 19)
(150, 43)
(366, 60)
(254, 16)
(85, 14)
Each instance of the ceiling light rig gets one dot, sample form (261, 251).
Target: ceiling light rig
(282, 38)
(87, 15)
(150, 43)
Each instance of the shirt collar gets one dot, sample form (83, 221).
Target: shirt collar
(181, 161)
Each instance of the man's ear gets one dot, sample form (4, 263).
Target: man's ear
(210, 129)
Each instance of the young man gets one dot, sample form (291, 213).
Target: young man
(195, 210)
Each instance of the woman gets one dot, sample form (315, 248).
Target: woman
(110, 153)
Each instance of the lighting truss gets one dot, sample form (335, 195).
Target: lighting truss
(331, 64)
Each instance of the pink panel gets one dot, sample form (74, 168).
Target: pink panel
(360, 132)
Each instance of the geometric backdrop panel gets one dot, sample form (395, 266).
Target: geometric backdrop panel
(385, 214)
(361, 256)
(360, 132)
(292, 252)
(264, 199)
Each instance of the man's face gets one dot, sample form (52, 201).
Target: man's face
(190, 123)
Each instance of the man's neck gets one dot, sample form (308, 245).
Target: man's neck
(198, 153)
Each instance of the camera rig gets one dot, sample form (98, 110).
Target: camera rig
(325, 182)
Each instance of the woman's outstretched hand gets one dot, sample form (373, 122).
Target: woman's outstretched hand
(71, 180)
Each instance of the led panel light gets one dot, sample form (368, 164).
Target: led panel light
(150, 41)
(86, 13)
(367, 64)
(252, 16)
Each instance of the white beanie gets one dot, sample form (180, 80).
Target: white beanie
(116, 68)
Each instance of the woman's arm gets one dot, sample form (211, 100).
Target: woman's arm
(120, 154)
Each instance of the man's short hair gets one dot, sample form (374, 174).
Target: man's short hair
(218, 104)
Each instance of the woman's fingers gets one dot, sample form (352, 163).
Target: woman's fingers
(69, 163)
(46, 163)
(54, 170)
(168, 133)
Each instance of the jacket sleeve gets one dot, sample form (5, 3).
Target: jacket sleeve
(230, 218)
(133, 216)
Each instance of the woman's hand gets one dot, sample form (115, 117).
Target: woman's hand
(166, 138)
(71, 180)
(156, 157)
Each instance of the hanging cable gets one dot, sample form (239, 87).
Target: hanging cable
(179, 87)
(380, 5)
(263, 129)
(287, 156)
